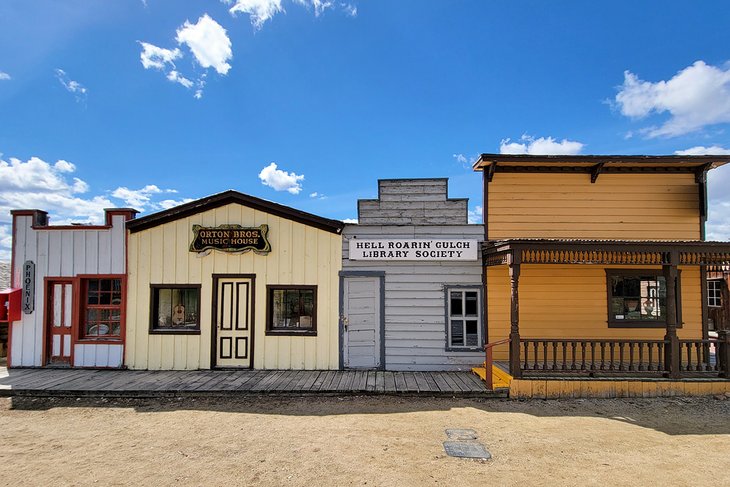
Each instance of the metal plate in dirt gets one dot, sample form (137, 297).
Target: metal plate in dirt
(461, 434)
(466, 449)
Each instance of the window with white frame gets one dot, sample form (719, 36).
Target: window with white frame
(714, 293)
(464, 318)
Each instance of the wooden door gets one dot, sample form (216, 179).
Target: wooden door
(233, 322)
(58, 323)
(361, 322)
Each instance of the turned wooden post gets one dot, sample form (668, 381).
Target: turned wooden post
(723, 352)
(672, 357)
(514, 333)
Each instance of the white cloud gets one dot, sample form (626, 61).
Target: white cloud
(475, 215)
(460, 158)
(281, 180)
(208, 42)
(4, 76)
(259, 11)
(350, 220)
(700, 150)
(697, 96)
(36, 183)
(541, 146)
(349, 9)
(176, 77)
(157, 57)
(79, 91)
(167, 204)
(6, 241)
(138, 198)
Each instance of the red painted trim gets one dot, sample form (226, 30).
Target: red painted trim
(73, 227)
(123, 311)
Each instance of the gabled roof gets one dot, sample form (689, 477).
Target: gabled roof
(231, 196)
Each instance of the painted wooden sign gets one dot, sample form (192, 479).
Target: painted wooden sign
(231, 238)
(413, 249)
(28, 287)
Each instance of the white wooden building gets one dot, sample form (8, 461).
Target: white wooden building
(72, 282)
(411, 283)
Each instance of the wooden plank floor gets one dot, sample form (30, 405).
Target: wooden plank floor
(237, 382)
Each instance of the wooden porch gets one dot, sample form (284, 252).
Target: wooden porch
(619, 358)
(128, 383)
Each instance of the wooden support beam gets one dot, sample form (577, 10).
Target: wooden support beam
(595, 171)
(672, 357)
(514, 334)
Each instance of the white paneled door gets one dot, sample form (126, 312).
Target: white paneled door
(58, 323)
(233, 322)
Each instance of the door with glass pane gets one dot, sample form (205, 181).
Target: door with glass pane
(464, 324)
(233, 321)
(58, 322)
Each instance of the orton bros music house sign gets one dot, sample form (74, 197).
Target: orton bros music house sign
(413, 249)
(231, 238)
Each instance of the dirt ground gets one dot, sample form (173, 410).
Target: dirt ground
(374, 441)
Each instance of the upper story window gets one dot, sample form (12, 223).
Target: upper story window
(714, 293)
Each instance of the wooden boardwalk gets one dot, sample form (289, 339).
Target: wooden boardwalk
(128, 383)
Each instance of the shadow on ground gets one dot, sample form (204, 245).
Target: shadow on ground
(672, 416)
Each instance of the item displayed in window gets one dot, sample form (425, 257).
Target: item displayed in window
(292, 309)
(175, 308)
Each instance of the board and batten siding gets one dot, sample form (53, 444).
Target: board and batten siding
(63, 253)
(616, 207)
(300, 254)
(562, 301)
(415, 299)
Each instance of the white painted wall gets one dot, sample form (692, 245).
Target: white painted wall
(63, 253)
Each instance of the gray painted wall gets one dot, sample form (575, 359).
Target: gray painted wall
(415, 315)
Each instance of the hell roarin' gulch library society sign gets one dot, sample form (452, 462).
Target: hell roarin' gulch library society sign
(231, 238)
(413, 249)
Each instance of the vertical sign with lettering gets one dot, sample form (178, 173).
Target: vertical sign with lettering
(28, 287)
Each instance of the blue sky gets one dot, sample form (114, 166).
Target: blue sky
(149, 104)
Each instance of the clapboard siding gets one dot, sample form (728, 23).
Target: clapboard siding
(412, 202)
(300, 255)
(62, 253)
(559, 301)
(415, 314)
(616, 206)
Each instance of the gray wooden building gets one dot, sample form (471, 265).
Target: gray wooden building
(411, 281)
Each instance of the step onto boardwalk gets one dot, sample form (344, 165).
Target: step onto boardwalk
(128, 383)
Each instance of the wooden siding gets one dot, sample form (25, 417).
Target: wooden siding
(571, 302)
(412, 202)
(617, 206)
(415, 314)
(300, 255)
(59, 253)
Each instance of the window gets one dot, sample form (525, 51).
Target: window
(464, 318)
(714, 293)
(638, 299)
(101, 310)
(291, 310)
(175, 309)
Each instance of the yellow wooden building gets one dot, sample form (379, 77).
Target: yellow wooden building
(233, 281)
(596, 265)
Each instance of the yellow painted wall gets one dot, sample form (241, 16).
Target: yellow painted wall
(564, 301)
(617, 206)
(300, 255)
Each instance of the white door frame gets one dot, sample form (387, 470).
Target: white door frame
(380, 329)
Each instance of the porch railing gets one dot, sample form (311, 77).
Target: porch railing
(620, 357)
